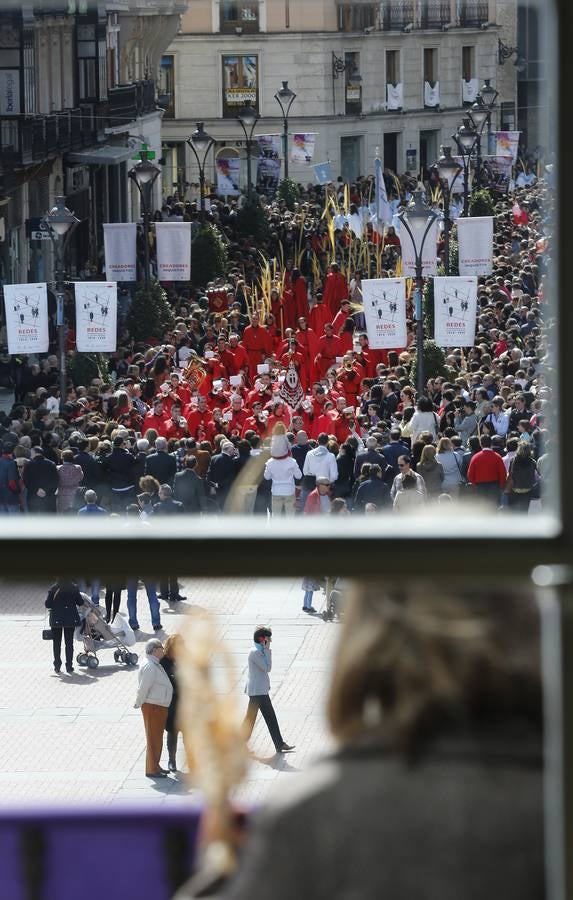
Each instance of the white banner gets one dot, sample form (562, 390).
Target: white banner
(430, 250)
(475, 242)
(431, 93)
(173, 241)
(385, 312)
(455, 305)
(507, 144)
(470, 90)
(302, 150)
(394, 96)
(26, 307)
(96, 316)
(228, 176)
(120, 253)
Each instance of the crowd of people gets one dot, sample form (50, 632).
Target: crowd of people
(284, 408)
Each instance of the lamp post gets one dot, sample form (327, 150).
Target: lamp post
(200, 143)
(448, 170)
(144, 175)
(247, 119)
(465, 140)
(61, 222)
(285, 98)
(488, 95)
(418, 219)
(479, 117)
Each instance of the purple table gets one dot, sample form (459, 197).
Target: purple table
(95, 855)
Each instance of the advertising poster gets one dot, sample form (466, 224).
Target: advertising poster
(96, 316)
(385, 312)
(26, 308)
(455, 304)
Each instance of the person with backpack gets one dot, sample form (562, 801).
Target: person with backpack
(521, 479)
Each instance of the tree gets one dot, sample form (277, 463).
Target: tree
(289, 192)
(208, 256)
(150, 315)
(481, 203)
(252, 221)
(84, 367)
(434, 362)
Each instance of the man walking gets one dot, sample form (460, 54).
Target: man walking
(258, 687)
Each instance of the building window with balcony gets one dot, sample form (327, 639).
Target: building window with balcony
(394, 87)
(473, 13)
(238, 16)
(87, 51)
(240, 84)
(434, 13)
(470, 83)
(358, 16)
(166, 86)
(431, 83)
(397, 15)
(352, 86)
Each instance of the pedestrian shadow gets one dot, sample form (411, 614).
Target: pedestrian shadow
(276, 761)
(177, 608)
(90, 676)
(169, 785)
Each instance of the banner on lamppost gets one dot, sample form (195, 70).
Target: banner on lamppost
(323, 172)
(506, 144)
(173, 241)
(119, 240)
(498, 172)
(385, 312)
(96, 316)
(455, 305)
(430, 250)
(26, 308)
(302, 149)
(475, 245)
(228, 176)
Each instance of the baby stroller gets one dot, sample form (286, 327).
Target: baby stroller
(96, 634)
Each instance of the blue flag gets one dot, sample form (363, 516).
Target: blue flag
(323, 172)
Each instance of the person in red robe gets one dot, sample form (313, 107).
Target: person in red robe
(335, 289)
(300, 293)
(279, 413)
(341, 316)
(294, 356)
(198, 415)
(307, 341)
(319, 315)
(239, 355)
(276, 336)
(156, 417)
(324, 422)
(349, 376)
(329, 347)
(257, 342)
(235, 416)
(346, 335)
(175, 426)
(257, 421)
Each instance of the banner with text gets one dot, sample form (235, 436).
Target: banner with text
(475, 243)
(430, 250)
(173, 251)
(228, 176)
(385, 312)
(498, 172)
(26, 308)
(120, 251)
(302, 149)
(455, 304)
(96, 316)
(506, 144)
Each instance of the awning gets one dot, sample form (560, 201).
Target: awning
(106, 155)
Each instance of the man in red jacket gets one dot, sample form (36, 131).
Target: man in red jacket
(329, 347)
(487, 472)
(335, 289)
(197, 415)
(156, 417)
(258, 344)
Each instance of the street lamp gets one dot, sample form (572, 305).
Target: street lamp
(285, 98)
(479, 116)
(448, 170)
(144, 175)
(465, 140)
(418, 219)
(200, 143)
(488, 94)
(247, 119)
(61, 222)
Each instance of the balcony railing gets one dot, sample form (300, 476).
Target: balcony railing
(435, 14)
(397, 15)
(474, 13)
(129, 101)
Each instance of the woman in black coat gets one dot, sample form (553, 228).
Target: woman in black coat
(63, 600)
(168, 663)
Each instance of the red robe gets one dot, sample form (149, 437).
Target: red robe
(300, 297)
(318, 317)
(328, 349)
(335, 290)
(153, 421)
(258, 344)
(346, 341)
(196, 419)
(339, 320)
(350, 386)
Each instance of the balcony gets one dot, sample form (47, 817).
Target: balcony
(28, 140)
(128, 102)
(239, 17)
(435, 14)
(397, 15)
(473, 13)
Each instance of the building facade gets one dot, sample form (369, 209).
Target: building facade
(367, 75)
(77, 99)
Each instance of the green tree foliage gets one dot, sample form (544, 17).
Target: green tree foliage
(252, 221)
(434, 362)
(150, 315)
(481, 203)
(289, 192)
(208, 256)
(84, 367)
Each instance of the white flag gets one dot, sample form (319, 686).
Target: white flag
(26, 307)
(120, 253)
(173, 251)
(385, 312)
(429, 253)
(475, 242)
(455, 304)
(96, 316)
(470, 90)
(394, 96)
(431, 93)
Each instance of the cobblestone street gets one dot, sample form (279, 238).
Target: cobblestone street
(76, 738)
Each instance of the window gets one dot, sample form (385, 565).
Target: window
(352, 87)
(357, 16)
(239, 15)
(87, 56)
(240, 84)
(166, 86)
(468, 63)
(434, 13)
(430, 64)
(392, 67)
(473, 13)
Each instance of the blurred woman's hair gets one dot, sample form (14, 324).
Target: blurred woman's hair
(412, 666)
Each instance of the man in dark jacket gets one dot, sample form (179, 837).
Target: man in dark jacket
(63, 599)
(393, 450)
(93, 473)
(167, 506)
(189, 488)
(41, 480)
(119, 468)
(370, 455)
(161, 464)
(9, 493)
(222, 470)
(372, 490)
